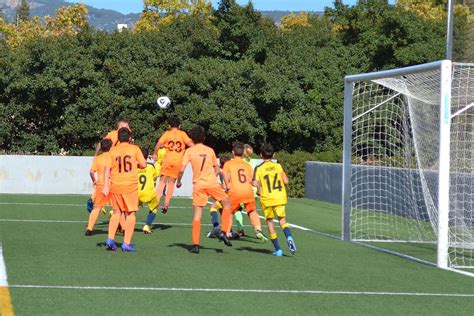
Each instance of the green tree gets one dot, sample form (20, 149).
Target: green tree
(22, 12)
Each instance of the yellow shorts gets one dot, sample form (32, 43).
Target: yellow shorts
(150, 200)
(269, 212)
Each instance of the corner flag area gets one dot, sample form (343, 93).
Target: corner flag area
(54, 269)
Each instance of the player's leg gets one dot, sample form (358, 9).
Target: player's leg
(280, 211)
(239, 220)
(153, 210)
(254, 217)
(113, 225)
(269, 215)
(170, 185)
(127, 245)
(92, 220)
(160, 187)
(226, 221)
(196, 229)
(214, 213)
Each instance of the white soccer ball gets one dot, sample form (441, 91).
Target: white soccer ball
(163, 102)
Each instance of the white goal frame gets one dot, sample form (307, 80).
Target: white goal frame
(446, 68)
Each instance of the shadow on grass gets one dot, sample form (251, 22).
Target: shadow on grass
(188, 247)
(257, 250)
(161, 226)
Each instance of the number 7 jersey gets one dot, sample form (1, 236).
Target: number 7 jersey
(273, 191)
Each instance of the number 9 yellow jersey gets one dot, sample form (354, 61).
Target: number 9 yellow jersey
(146, 182)
(273, 191)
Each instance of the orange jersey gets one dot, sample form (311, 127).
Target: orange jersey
(124, 175)
(174, 141)
(98, 165)
(240, 173)
(203, 161)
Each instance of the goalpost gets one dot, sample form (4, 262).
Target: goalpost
(408, 166)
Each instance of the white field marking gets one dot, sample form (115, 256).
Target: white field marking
(3, 269)
(177, 289)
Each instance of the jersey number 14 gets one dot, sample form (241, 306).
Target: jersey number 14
(276, 183)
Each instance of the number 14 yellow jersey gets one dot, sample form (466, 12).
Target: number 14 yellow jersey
(273, 191)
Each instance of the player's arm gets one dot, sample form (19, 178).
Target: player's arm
(141, 161)
(284, 177)
(189, 144)
(92, 175)
(183, 167)
(158, 145)
(106, 188)
(97, 149)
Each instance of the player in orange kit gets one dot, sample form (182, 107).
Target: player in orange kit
(238, 175)
(97, 176)
(113, 135)
(205, 170)
(122, 166)
(175, 141)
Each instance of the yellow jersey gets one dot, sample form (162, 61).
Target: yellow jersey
(273, 191)
(146, 181)
(160, 155)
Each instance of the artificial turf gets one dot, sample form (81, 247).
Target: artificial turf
(44, 245)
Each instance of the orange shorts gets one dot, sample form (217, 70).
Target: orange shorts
(125, 202)
(235, 201)
(171, 169)
(201, 195)
(100, 200)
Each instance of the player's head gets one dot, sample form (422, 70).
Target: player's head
(145, 152)
(124, 135)
(238, 149)
(123, 122)
(267, 151)
(222, 160)
(248, 151)
(174, 121)
(105, 145)
(197, 134)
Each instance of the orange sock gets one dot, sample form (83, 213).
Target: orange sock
(129, 227)
(226, 220)
(169, 192)
(230, 224)
(255, 220)
(93, 218)
(196, 232)
(113, 224)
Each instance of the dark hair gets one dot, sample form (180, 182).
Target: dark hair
(124, 134)
(174, 121)
(105, 145)
(238, 149)
(222, 160)
(197, 134)
(267, 151)
(145, 152)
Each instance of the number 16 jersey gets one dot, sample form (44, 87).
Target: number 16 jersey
(273, 191)
(123, 162)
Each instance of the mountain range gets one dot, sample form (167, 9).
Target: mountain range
(102, 19)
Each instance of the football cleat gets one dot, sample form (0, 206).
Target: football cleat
(164, 209)
(90, 205)
(223, 237)
(278, 253)
(214, 232)
(146, 229)
(261, 236)
(291, 245)
(195, 249)
(241, 233)
(128, 247)
(89, 233)
(110, 244)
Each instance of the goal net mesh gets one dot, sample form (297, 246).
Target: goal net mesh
(395, 161)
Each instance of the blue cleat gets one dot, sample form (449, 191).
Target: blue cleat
(278, 253)
(90, 205)
(291, 245)
(110, 244)
(128, 247)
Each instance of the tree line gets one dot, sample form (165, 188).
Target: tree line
(63, 84)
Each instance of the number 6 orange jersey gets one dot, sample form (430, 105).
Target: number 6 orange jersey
(123, 162)
(240, 174)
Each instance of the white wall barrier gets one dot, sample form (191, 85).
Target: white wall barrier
(56, 175)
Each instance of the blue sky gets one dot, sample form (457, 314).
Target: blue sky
(134, 6)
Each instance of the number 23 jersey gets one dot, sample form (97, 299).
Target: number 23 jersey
(273, 191)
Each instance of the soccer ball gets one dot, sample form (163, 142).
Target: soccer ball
(163, 102)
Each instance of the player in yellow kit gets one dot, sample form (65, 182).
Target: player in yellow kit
(270, 180)
(146, 190)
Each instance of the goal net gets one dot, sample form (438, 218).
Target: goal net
(408, 159)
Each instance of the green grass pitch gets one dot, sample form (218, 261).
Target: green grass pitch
(44, 246)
